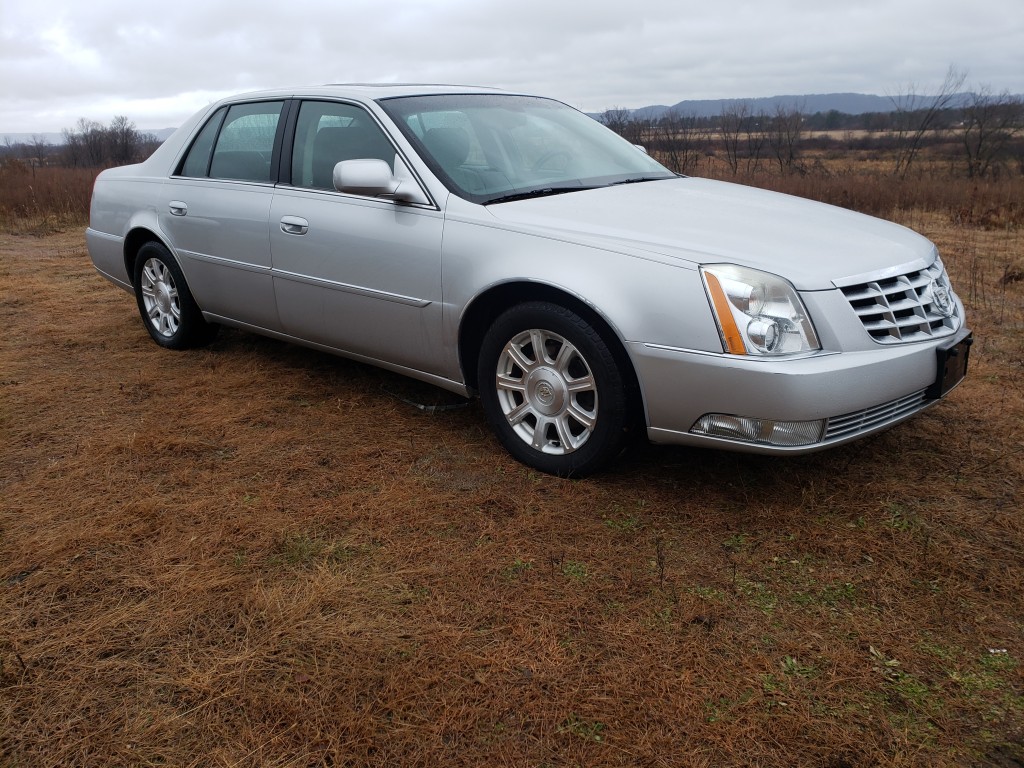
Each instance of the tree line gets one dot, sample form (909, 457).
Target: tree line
(982, 135)
(89, 144)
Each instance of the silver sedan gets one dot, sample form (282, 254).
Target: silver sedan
(510, 246)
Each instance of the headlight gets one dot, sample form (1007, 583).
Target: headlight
(758, 313)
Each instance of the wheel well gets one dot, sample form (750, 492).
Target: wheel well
(132, 243)
(486, 308)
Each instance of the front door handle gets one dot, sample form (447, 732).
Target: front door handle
(294, 225)
(178, 208)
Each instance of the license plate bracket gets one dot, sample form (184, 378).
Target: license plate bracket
(951, 367)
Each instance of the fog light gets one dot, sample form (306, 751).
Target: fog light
(762, 431)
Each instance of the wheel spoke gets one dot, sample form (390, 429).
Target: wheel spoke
(518, 357)
(538, 339)
(586, 418)
(564, 358)
(582, 384)
(565, 438)
(510, 383)
(520, 412)
(540, 431)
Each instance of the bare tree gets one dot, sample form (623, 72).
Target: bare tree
(616, 118)
(678, 139)
(123, 139)
(733, 123)
(757, 138)
(91, 144)
(40, 149)
(73, 154)
(148, 144)
(624, 123)
(990, 124)
(784, 135)
(93, 141)
(915, 115)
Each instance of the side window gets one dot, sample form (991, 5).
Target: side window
(327, 133)
(197, 162)
(246, 142)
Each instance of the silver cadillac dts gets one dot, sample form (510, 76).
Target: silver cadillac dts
(509, 246)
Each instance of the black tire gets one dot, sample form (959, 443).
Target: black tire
(565, 412)
(168, 310)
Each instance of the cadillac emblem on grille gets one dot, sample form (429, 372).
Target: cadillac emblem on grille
(941, 299)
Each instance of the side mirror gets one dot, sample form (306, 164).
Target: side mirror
(373, 178)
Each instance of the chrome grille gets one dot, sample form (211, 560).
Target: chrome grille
(907, 307)
(876, 416)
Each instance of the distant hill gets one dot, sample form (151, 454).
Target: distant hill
(847, 103)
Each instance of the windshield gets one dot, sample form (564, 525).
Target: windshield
(491, 148)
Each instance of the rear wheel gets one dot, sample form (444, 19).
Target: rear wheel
(552, 390)
(168, 310)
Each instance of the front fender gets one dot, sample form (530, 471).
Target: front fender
(642, 300)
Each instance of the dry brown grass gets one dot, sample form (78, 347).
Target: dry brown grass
(862, 183)
(254, 555)
(43, 200)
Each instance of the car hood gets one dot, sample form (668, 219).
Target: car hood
(811, 244)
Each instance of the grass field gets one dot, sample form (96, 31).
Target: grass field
(258, 555)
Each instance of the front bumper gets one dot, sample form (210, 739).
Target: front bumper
(855, 393)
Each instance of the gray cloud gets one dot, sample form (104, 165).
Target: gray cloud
(63, 60)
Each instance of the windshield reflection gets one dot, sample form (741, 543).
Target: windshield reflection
(491, 148)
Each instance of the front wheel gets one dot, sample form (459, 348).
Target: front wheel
(168, 310)
(553, 390)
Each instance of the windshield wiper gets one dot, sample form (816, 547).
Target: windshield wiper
(638, 179)
(543, 192)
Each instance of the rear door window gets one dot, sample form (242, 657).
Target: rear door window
(197, 162)
(244, 147)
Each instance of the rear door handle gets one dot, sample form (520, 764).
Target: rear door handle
(178, 208)
(294, 225)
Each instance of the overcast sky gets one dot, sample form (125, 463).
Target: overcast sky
(157, 63)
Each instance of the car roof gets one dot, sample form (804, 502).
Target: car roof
(367, 91)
